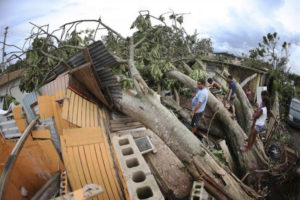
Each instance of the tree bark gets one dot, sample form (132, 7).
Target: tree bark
(248, 79)
(215, 129)
(238, 109)
(198, 160)
(235, 135)
(245, 104)
(176, 95)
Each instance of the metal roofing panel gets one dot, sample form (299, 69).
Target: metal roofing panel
(102, 62)
(28, 100)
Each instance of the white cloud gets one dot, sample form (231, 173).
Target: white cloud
(234, 25)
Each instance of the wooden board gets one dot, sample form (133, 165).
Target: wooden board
(86, 76)
(59, 84)
(124, 124)
(41, 134)
(45, 106)
(79, 111)
(88, 159)
(38, 161)
(19, 118)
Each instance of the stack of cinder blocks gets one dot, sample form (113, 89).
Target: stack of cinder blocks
(199, 193)
(135, 173)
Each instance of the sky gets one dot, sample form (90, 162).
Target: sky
(235, 26)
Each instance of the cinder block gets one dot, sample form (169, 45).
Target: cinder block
(136, 175)
(197, 190)
(144, 187)
(129, 156)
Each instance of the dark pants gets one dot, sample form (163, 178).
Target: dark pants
(195, 120)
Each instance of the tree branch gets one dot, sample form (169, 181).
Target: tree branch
(94, 20)
(248, 79)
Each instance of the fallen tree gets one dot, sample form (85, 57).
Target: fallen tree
(235, 135)
(146, 57)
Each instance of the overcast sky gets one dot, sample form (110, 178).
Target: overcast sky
(235, 26)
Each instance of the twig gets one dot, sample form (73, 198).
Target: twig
(100, 22)
(211, 123)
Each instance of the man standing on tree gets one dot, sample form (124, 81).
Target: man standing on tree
(198, 104)
(229, 98)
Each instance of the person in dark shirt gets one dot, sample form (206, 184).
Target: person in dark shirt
(229, 98)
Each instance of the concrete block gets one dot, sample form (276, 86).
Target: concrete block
(136, 175)
(144, 187)
(197, 190)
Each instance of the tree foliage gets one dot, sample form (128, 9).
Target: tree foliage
(45, 53)
(163, 45)
(272, 52)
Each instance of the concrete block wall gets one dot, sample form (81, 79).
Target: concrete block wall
(199, 193)
(135, 173)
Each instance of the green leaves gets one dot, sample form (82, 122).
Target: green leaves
(142, 23)
(197, 74)
(127, 83)
(7, 99)
(156, 72)
(218, 153)
(180, 19)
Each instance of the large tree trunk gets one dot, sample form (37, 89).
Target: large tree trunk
(215, 129)
(235, 135)
(198, 160)
(244, 109)
(245, 104)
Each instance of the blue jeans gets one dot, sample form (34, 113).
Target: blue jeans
(259, 128)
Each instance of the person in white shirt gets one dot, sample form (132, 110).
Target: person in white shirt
(257, 127)
(199, 104)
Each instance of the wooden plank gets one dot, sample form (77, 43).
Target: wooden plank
(71, 107)
(109, 171)
(75, 110)
(83, 160)
(90, 165)
(73, 173)
(93, 159)
(17, 112)
(45, 106)
(51, 153)
(126, 124)
(83, 121)
(87, 117)
(110, 160)
(66, 104)
(95, 115)
(83, 141)
(57, 112)
(13, 157)
(83, 132)
(97, 170)
(41, 134)
(21, 124)
(79, 121)
(106, 181)
(78, 165)
(85, 193)
(86, 76)
(92, 123)
(49, 189)
(123, 120)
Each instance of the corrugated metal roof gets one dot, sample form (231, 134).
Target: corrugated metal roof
(28, 100)
(102, 60)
